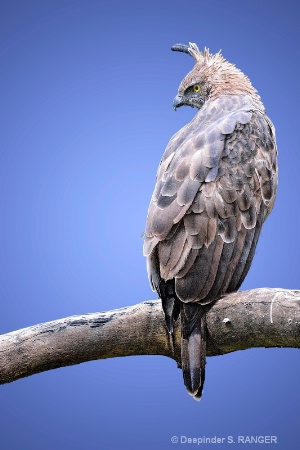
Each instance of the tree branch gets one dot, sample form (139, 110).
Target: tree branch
(256, 318)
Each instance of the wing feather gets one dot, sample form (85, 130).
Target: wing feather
(188, 288)
(206, 210)
(214, 265)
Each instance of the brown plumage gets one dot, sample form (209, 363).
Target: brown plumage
(215, 186)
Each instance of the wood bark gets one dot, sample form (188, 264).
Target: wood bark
(256, 318)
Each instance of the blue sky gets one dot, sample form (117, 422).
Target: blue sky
(86, 113)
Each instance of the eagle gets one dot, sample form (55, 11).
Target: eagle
(215, 186)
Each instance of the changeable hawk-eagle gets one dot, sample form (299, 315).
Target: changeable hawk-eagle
(215, 186)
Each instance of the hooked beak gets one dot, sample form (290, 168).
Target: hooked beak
(177, 102)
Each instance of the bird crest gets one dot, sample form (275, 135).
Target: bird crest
(192, 50)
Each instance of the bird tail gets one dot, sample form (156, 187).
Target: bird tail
(193, 347)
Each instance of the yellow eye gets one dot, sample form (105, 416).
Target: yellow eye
(197, 88)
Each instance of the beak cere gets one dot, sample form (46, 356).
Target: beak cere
(177, 102)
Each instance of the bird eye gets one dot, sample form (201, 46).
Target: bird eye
(197, 88)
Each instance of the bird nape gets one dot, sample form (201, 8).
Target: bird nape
(215, 186)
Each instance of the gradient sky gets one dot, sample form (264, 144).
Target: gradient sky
(86, 113)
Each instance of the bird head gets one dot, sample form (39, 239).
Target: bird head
(211, 77)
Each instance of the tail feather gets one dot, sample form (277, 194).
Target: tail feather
(193, 347)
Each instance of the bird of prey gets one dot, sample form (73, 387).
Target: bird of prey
(215, 186)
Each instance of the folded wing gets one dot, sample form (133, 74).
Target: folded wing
(215, 186)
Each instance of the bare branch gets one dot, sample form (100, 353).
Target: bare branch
(256, 318)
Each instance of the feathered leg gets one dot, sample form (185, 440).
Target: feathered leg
(193, 347)
(170, 303)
